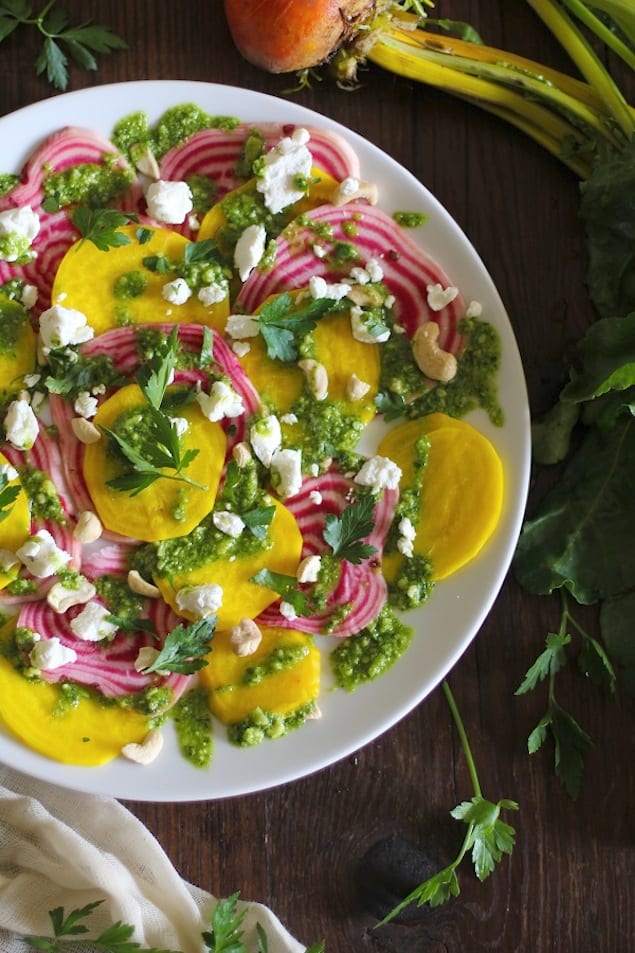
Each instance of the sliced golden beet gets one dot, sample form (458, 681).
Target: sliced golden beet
(114, 287)
(461, 490)
(14, 528)
(282, 675)
(281, 384)
(167, 507)
(17, 346)
(89, 735)
(214, 222)
(242, 598)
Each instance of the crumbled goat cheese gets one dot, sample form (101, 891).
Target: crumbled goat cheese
(92, 624)
(41, 555)
(48, 654)
(85, 405)
(320, 288)
(213, 294)
(29, 296)
(23, 224)
(21, 425)
(439, 297)
(249, 249)
(8, 471)
(242, 326)
(286, 472)
(221, 402)
(63, 327)
(381, 473)
(169, 202)
(287, 610)
(474, 309)
(229, 523)
(374, 269)
(181, 425)
(360, 330)
(265, 438)
(284, 170)
(200, 601)
(177, 291)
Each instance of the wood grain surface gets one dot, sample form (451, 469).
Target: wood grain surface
(331, 851)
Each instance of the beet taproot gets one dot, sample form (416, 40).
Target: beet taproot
(282, 36)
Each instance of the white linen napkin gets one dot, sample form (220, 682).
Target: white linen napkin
(64, 849)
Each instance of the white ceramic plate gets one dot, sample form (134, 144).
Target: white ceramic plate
(448, 623)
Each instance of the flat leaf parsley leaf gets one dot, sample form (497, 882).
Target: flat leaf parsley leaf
(66, 928)
(61, 40)
(8, 496)
(285, 586)
(345, 533)
(281, 321)
(184, 648)
(101, 226)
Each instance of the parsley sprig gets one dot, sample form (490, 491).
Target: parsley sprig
(101, 226)
(184, 648)
(487, 838)
(61, 40)
(8, 496)
(282, 321)
(160, 447)
(285, 586)
(345, 533)
(225, 934)
(571, 742)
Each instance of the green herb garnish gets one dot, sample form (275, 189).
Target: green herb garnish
(345, 533)
(61, 40)
(285, 586)
(101, 226)
(8, 496)
(282, 321)
(185, 648)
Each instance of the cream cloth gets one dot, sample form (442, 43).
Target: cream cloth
(62, 849)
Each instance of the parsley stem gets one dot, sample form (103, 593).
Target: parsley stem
(465, 744)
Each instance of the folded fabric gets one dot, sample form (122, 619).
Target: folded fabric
(64, 849)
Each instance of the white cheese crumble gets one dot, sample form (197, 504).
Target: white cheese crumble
(316, 497)
(41, 555)
(7, 560)
(23, 225)
(284, 169)
(48, 654)
(380, 473)
(169, 202)
(200, 601)
(8, 471)
(286, 472)
(474, 309)
(21, 425)
(92, 624)
(242, 326)
(177, 291)
(29, 296)
(374, 269)
(359, 328)
(249, 249)
(320, 288)
(265, 437)
(181, 425)
(287, 610)
(63, 327)
(222, 401)
(439, 297)
(213, 294)
(85, 405)
(228, 523)
(240, 348)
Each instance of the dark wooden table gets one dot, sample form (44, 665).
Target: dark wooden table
(304, 848)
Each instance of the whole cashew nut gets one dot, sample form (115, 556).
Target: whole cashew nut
(431, 360)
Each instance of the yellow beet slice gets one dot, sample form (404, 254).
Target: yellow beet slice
(87, 280)
(242, 598)
(14, 528)
(461, 493)
(167, 508)
(320, 191)
(17, 346)
(228, 675)
(89, 735)
(280, 384)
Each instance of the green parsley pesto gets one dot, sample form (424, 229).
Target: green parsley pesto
(260, 724)
(474, 385)
(133, 134)
(327, 427)
(43, 498)
(364, 657)
(8, 181)
(119, 597)
(86, 184)
(280, 659)
(410, 219)
(13, 321)
(130, 285)
(193, 726)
